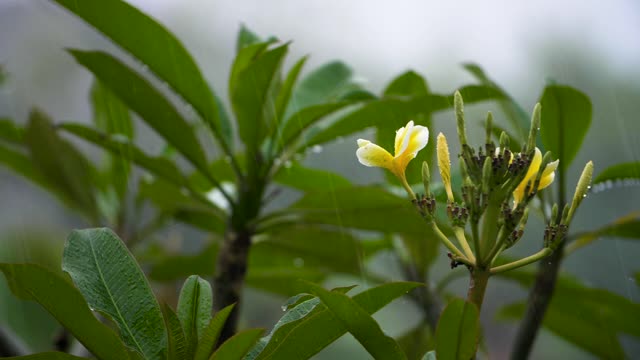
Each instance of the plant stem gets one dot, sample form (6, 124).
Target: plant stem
(477, 286)
(489, 230)
(522, 262)
(462, 239)
(454, 250)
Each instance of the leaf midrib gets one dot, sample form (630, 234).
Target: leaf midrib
(122, 320)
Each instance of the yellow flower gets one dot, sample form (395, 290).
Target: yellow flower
(548, 174)
(409, 140)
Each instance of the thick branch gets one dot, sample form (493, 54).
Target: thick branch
(231, 268)
(539, 299)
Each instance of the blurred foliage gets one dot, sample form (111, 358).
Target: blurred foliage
(334, 228)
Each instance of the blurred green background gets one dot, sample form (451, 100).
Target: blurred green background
(590, 46)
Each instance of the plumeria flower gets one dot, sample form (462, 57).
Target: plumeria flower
(548, 174)
(409, 140)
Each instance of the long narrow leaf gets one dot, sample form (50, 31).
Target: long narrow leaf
(146, 101)
(177, 346)
(237, 346)
(194, 308)
(155, 46)
(66, 304)
(207, 343)
(112, 282)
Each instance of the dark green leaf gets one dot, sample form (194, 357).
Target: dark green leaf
(63, 166)
(111, 281)
(514, 112)
(194, 308)
(65, 303)
(308, 179)
(246, 37)
(617, 173)
(11, 132)
(155, 46)
(566, 117)
(359, 323)
(174, 267)
(22, 165)
(251, 96)
(409, 83)
(625, 227)
(146, 101)
(458, 331)
(302, 120)
(209, 339)
(284, 95)
(309, 327)
(578, 330)
(587, 317)
(158, 166)
(238, 345)
(367, 208)
(46, 356)
(177, 345)
(324, 84)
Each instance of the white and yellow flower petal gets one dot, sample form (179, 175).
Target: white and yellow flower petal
(548, 174)
(370, 154)
(547, 177)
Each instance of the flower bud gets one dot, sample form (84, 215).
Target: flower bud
(444, 164)
(504, 141)
(459, 109)
(584, 184)
(554, 214)
(487, 171)
(426, 179)
(489, 127)
(535, 126)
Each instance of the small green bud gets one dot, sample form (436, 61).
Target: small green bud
(584, 184)
(487, 171)
(535, 126)
(504, 141)
(489, 127)
(524, 219)
(426, 178)
(565, 213)
(458, 105)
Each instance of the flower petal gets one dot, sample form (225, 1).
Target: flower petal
(370, 154)
(402, 139)
(548, 174)
(534, 167)
(418, 139)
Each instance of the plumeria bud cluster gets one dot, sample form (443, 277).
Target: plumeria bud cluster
(497, 186)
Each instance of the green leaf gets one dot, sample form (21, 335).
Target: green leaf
(458, 331)
(519, 118)
(409, 83)
(111, 281)
(11, 132)
(617, 173)
(210, 336)
(65, 303)
(627, 226)
(238, 345)
(359, 323)
(565, 120)
(177, 345)
(173, 267)
(396, 112)
(52, 355)
(111, 116)
(158, 166)
(417, 341)
(325, 84)
(284, 96)
(310, 327)
(308, 179)
(22, 164)
(155, 46)
(366, 208)
(251, 96)
(194, 308)
(61, 164)
(146, 101)
(302, 120)
(246, 37)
